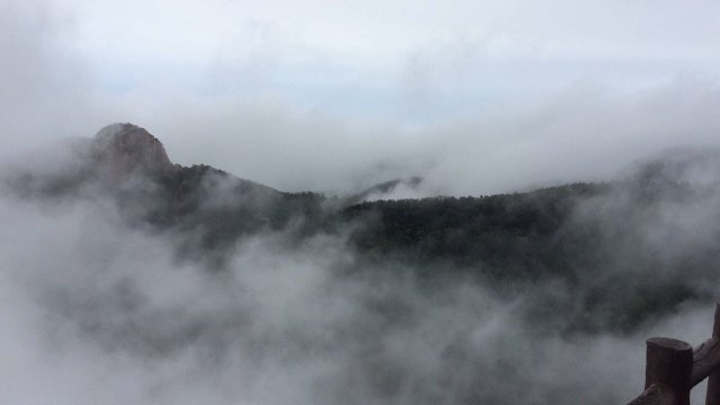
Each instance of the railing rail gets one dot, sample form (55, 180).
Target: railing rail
(673, 368)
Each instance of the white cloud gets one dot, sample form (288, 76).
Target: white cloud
(477, 97)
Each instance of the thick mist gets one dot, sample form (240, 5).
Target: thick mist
(98, 307)
(96, 312)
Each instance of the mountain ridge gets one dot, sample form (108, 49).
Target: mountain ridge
(662, 217)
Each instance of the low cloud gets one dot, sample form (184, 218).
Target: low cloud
(585, 127)
(100, 310)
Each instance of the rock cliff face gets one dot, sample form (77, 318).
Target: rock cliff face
(124, 150)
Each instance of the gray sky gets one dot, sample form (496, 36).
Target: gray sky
(475, 96)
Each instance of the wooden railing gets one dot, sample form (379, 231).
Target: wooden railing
(673, 368)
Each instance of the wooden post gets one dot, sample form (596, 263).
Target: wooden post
(669, 368)
(713, 388)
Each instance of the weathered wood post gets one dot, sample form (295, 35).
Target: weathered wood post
(713, 388)
(669, 368)
(673, 368)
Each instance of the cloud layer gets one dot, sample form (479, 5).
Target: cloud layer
(101, 309)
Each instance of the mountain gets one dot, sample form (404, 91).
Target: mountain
(128, 164)
(211, 205)
(624, 251)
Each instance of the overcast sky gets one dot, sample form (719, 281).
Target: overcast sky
(475, 96)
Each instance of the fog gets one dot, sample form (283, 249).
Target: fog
(470, 112)
(100, 307)
(96, 312)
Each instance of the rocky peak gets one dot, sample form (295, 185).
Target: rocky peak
(127, 149)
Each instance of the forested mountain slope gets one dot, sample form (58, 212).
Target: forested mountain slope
(622, 251)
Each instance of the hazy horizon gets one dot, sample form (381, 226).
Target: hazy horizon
(475, 97)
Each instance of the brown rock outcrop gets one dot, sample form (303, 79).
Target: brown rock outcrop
(124, 150)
